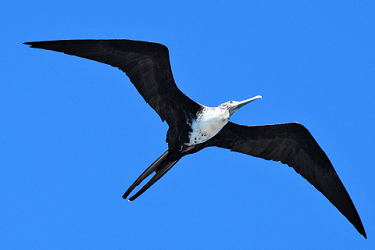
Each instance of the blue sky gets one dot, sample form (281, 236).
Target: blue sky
(75, 134)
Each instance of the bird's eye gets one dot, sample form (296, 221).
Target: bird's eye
(230, 102)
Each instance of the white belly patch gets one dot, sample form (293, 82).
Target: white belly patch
(207, 125)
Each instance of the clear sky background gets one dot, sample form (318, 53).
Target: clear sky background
(75, 134)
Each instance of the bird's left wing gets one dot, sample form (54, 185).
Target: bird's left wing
(291, 144)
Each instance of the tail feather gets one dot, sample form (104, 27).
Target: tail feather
(161, 166)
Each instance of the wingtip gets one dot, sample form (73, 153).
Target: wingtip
(31, 44)
(28, 43)
(36, 44)
(364, 233)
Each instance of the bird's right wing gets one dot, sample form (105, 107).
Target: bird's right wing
(291, 144)
(145, 63)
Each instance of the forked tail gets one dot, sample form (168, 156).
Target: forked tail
(161, 166)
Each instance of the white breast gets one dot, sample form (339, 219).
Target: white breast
(207, 125)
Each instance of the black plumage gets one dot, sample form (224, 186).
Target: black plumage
(148, 67)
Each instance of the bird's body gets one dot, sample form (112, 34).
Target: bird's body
(193, 127)
(208, 123)
(210, 120)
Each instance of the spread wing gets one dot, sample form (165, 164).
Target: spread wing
(291, 144)
(145, 63)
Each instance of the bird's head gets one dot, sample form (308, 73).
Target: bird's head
(233, 106)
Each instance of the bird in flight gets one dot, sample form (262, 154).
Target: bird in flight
(193, 126)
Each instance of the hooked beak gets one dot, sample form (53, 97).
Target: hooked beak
(237, 105)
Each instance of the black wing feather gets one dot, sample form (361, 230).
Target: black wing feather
(146, 64)
(291, 144)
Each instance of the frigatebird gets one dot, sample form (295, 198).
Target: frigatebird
(193, 126)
